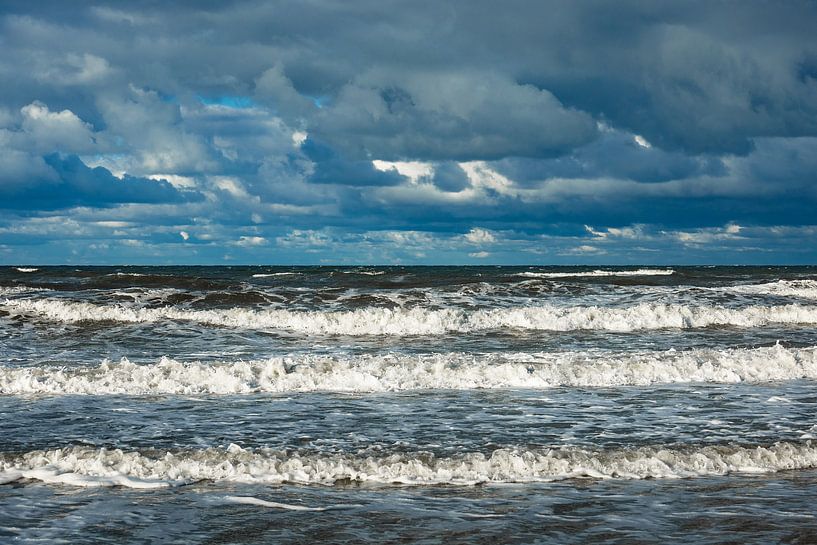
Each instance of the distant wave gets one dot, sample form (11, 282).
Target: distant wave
(86, 466)
(637, 272)
(267, 275)
(392, 372)
(422, 321)
(366, 273)
(26, 269)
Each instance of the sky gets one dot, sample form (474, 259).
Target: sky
(379, 132)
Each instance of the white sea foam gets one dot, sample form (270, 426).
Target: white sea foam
(86, 466)
(268, 275)
(13, 290)
(423, 321)
(366, 273)
(380, 373)
(806, 288)
(26, 269)
(637, 272)
(20, 290)
(249, 500)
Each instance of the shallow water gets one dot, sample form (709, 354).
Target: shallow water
(394, 404)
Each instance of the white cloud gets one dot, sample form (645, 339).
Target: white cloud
(582, 250)
(707, 235)
(413, 170)
(231, 186)
(179, 182)
(184, 234)
(298, 138)
(632, 232)
(479, 255)
(403, 238)
(250, 241)
(303, 237)
(49, 131)
(478, 235)
(70, 69)
(641, 141)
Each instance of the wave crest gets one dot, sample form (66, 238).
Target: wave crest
(804, 288)
(597, 273)
(423, 321)
(421, 372)
(86, 466)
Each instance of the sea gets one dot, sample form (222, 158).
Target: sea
(226, 405)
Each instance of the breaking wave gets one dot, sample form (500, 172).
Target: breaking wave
(419, 372)
(269, 275)
(423, 321)
(637, 272)
(86, 466)
(17, 290)
(806, 289)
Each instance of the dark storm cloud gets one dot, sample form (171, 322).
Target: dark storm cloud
(331, 168)
(399, 78)
(67, 181)
(450, 177)
(614, 155)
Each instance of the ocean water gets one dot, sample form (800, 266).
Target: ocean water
(408, 404)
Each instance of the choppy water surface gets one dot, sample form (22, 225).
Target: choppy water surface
(402, 404)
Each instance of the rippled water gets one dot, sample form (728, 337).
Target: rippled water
(408, 404)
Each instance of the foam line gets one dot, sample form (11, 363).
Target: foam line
(249, 500)
(597, 273)
(395, 372)
(423, 321)
(806, 289)
(86, 466)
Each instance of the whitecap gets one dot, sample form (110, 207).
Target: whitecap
(87, 466)
(398, 372)
(597, 273)
(423, 321)
(268, 275)
(804, 288)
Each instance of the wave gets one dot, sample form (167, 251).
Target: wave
(17, 290)
(637, 272)
(422, 321)
(13, 290)
(806, 289)
(26, 269)
(86, 466)
(364, 272)
(268, 275)
(456, 371)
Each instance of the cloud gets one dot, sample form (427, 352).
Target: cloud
(477, 235)
(450, 176)
(347, 131)
(331, 168)
(449, 115)
(65, 181)
(246, 240)
(617, 154)
(41, 130)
